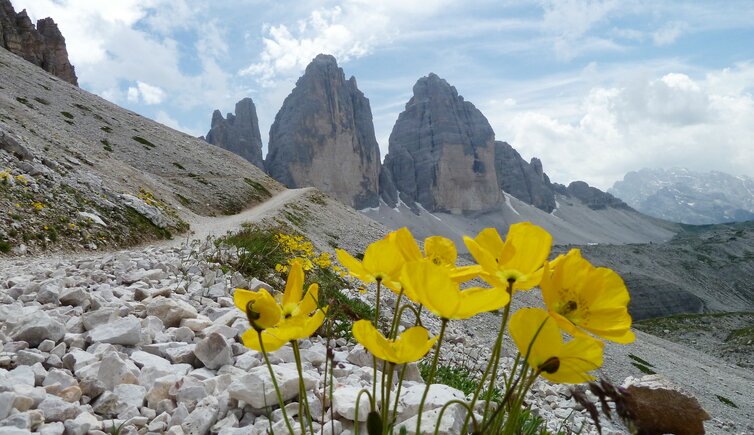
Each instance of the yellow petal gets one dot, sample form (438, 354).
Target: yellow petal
(532, 247)
(372, 340)
(465, 273)
(353, 265)
(294, 286)
(413, 344)
(383, 260)
(485, 258)
(433, 287)
(489, 239)
(479, 300)
(271, 342)
(535, 334)
(242, 297)
(440, 250)
(310, 301)
(406, 244)
(579, 356)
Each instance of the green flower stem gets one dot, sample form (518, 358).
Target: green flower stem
(431, 376)
(492, 365)
(396, 317)
(398, 392)
(356, 413)
(386, 400)
(497, 352)
(274, 382)
(303, 402)
(374, 358)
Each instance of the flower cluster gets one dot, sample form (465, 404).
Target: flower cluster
(302, 250)
(582, 301)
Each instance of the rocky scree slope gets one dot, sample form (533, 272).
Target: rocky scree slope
(84, 173)
(700, 270)
(42, 45)
(323, 136)
(689, 197)
(239, 132)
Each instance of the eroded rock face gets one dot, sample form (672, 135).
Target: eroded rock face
(525, 181)
(591, 196)
(323, 137)
(441, 152)
(239, 132)
(42, 45)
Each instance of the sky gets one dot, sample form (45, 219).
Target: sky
(594, 88)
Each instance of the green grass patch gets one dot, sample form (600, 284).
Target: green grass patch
(4, 246)
(68, 115)
(82, 107)
(742, 334)
(640, 360)
(726, 401)
(106, 129)
(452, 376)
(260, 192)
(179, 166)
(260, 252)
(25, 102)
(106, 144)
(183, 200)
(68, 121)
(144, 142)
(644, 369)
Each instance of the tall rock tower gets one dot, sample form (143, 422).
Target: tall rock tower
(238, 133)
(441, 153)
(42, 45)
(323, 136)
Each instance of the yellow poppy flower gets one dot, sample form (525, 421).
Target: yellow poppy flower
(260, 308)
(437, 249)
(294, 302)
(293, 328)
(382, 262)
(538, 339)
(435, 289)
(517, 261)
(594, 299)
(410, 346)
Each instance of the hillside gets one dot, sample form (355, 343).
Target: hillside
(79, 171)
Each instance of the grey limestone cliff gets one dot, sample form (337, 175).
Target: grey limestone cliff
(42, 45)
(524, 180)
(239, 132)
(441, 153)
(323, 136)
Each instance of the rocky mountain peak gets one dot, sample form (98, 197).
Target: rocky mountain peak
(525, 181)
(238, 133)
(591, 196)
(323, 136)
(43, 45)
(441, 153)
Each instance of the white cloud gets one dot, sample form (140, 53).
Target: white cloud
(145, 93)
(672, 120)
(570, 21)
(351, 30)
(669, 33)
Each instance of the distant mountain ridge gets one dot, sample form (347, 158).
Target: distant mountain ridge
(442, 160)
(689, 197)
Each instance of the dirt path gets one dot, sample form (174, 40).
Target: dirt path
(201, 228)
(205, 226)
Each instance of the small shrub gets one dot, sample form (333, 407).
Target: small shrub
(644, 369)
(726, 401)
(144, 142)
(25, 102)
(106, 129)
(4, 246)
(106, 144)
(68, 115)
(179, 166)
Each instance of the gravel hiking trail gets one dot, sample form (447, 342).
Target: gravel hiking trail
(201, 228)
